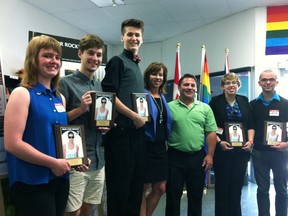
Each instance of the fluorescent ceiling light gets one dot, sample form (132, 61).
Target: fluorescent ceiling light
(108, 3)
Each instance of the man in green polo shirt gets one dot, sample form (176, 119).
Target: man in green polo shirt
(188, 161)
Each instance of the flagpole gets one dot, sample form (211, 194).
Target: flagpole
(203, 49)
(227, 64)
(177, 74)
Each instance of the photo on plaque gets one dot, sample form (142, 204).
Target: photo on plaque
(235, 134)
(140, 104)
(102, 109)
(275, 132)
(70, 144)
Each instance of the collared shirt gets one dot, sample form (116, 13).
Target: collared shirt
(44, 113)
(73, 87)
(190, 124)
(267, 103)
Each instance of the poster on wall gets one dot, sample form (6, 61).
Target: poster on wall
(3, 160)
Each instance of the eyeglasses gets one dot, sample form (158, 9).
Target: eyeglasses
(71, 137)
(103, 102)
(231, 83)
(265, 80)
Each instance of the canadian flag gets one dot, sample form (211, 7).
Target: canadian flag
(177, 74)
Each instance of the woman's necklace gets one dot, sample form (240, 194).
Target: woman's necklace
(159, 108)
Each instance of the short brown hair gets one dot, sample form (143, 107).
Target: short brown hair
(91, 41)
(155, 67)
(230, 76)
(186, 76)
(134, 23)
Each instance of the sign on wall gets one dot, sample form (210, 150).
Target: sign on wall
(69, 47)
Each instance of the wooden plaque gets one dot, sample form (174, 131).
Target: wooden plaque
(70, 144)
(102, 109)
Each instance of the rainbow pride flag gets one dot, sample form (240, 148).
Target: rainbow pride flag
(277, 30)
(205, 94)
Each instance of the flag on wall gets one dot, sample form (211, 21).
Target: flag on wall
(277, 30)
(205, 92)
(177, 74)
(226, 64)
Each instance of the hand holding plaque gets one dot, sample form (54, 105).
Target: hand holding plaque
(102, 109)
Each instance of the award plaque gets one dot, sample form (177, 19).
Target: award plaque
(140, 105)
(70, 144)
(235, 134)
(102, 109)
(274, 132)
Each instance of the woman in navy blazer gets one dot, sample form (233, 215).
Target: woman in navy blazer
(230, 162)
(157, 131)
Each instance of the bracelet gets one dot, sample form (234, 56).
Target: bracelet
(219, 142)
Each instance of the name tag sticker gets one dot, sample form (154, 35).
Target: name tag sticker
(219, 130)
(59, 107)
(274, 113)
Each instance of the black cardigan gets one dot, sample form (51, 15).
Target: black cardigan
(262, 113)
(218, 105)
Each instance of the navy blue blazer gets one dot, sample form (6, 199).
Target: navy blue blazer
(150, 127)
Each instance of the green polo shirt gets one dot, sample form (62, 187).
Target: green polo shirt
(190, 124)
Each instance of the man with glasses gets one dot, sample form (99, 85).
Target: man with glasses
(70, 150)
(269, 106)
(142, 108)
(101, 113)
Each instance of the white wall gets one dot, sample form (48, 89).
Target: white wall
(243, 34)
(216, 37)
(17, 18)
(236, 33)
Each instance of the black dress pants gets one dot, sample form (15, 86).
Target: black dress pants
(124, 167)
(45, 199)
(230, 169)
(185, 168)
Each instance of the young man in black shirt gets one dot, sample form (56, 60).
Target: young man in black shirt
(269, 106)
(124, 144)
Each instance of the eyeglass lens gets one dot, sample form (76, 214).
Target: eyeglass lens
(266, 80)
(231, 83)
